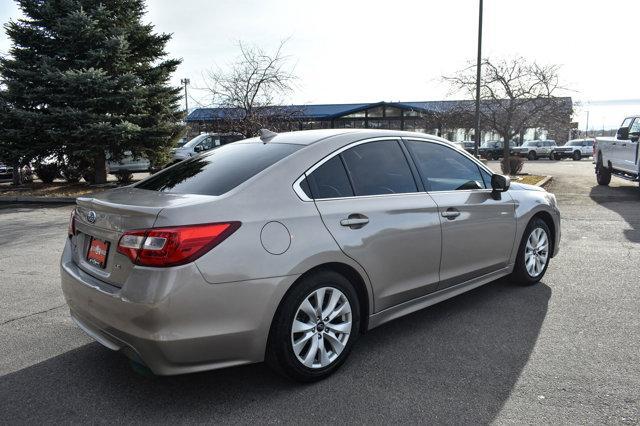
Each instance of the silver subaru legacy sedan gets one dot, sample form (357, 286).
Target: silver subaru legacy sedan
(285, 248)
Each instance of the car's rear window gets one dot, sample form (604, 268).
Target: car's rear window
(218, 171)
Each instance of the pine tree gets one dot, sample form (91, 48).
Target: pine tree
(85, 78)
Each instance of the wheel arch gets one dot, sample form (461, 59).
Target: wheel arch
(365, 301)
(546, 217)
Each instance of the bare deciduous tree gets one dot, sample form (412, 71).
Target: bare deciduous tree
(515, 95)
(251, 87)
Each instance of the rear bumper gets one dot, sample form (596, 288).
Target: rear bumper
(172, 320)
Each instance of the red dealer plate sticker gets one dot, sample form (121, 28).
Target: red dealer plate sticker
(97, 255)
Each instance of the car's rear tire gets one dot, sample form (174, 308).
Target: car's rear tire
(308, 349)
(532, 155)
(552, 156)
(577, 156)
(534, 253)
(603, 175)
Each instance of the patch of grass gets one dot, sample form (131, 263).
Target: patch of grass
(528, 179)
(55, 189)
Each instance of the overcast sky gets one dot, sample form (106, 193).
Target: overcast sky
(368, 51)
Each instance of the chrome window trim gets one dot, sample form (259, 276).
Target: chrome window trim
(301, 194)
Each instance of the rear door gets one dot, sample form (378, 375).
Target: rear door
(371, 203)
(477, 231)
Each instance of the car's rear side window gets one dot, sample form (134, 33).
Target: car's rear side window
(379, 168)
(218, 171)
(330, 180)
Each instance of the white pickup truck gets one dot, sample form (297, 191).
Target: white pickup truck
(619, 155)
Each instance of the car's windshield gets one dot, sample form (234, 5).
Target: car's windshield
(529, 143)
(574, 143)
(218, 171)
(195, 141)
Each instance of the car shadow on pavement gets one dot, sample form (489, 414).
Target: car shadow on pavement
(455, 362)
(622, 200)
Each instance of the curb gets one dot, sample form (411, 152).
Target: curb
(544, 182)
(37, 200)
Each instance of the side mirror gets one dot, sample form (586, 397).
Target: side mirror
(623, 133)
(198, 148)
(499, 183)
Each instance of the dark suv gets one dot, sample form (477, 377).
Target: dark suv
(493, 150)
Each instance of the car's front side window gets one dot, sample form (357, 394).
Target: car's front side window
(443, 169)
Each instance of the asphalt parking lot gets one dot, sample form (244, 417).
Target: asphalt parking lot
(564, 351)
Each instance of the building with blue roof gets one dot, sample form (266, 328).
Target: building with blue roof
(451, 119)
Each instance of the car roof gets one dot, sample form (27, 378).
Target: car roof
(309, 137)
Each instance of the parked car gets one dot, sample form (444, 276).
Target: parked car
(575, 149)
(202, 143)
(536, 149)
(289, 246)
(619, 155)
(6, 172)
(469, 146)
(128, 163)
(494, 150)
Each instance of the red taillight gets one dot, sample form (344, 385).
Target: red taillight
(173, 246)
(71, 230)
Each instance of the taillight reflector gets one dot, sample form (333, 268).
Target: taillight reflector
(173, 246)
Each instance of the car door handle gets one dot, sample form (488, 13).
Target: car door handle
(624, 144)
(451, 213)
(355, 221)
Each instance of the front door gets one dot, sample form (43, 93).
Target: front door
(629, 149)
(478, 232)
(368, 198)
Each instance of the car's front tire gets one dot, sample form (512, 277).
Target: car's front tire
(534, 253)
(315, 327)
(532, 155)
(577, 156)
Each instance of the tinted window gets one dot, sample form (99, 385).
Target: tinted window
(377, 168)
(443, 169)
(218, 171)
(304, 185)
(635, 127)
(330, 180)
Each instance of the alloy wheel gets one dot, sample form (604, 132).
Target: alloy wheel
(321, 327)
(536, 252)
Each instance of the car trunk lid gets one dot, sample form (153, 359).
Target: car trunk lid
(102, 219)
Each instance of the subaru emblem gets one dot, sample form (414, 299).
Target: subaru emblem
(91, 217)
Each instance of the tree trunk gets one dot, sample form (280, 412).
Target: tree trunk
(100, 164)
(506, 154)
(17, 176)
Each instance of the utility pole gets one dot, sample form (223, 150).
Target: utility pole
(478, 65)
(586, 130)
(185, 82)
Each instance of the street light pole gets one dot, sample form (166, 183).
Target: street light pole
(478, 65)
(185, 82)
(586, 129)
